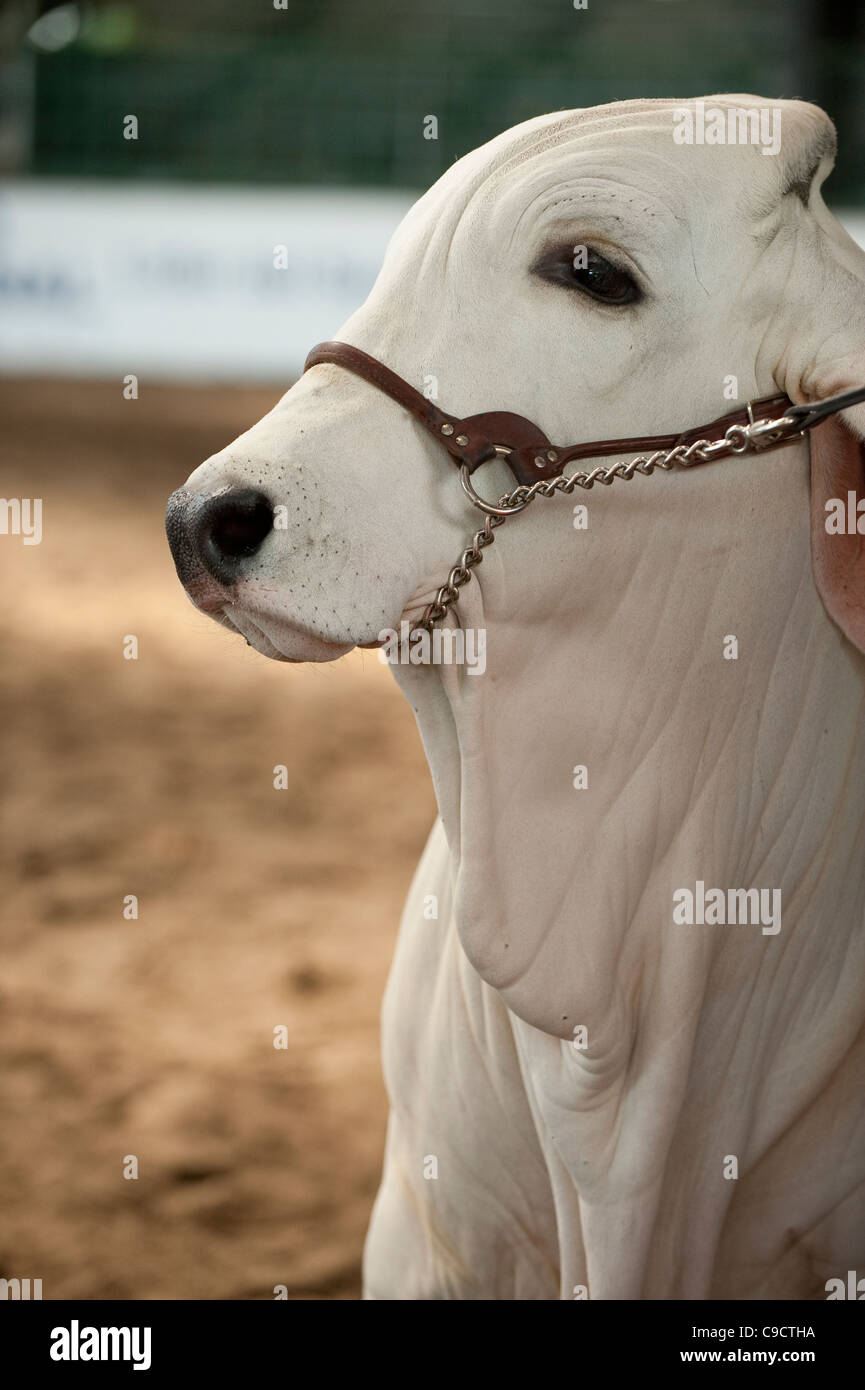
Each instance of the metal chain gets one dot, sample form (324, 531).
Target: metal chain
(760, 434)
(461, 573)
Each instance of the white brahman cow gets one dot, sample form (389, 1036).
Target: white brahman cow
(591, 1096)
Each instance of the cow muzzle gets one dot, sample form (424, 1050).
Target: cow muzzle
(217, 541)
(216, 535)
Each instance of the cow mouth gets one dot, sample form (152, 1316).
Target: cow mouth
(278, 639)
(275, 636)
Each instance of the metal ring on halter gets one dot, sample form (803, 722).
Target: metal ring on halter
(465, 480)
(737, 439)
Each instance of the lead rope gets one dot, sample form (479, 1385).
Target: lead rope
(760, 434)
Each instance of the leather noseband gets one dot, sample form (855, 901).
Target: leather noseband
(476, 439)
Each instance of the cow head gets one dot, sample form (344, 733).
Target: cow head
(713, 274)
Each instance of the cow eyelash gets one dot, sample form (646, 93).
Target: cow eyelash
(600, 278)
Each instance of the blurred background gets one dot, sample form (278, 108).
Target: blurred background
(191, 195)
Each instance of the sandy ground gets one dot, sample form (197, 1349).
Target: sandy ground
(258, 907)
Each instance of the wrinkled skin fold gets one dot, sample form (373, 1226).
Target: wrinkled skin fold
(711, 1050)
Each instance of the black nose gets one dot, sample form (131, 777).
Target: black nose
(231, 527)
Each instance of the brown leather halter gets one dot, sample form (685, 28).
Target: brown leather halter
(478, 438)
(538, 465)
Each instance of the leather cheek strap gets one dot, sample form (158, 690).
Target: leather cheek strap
(471, 441)
(464, 440)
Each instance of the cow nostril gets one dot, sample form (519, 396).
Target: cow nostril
(240, 525)
(232, 526)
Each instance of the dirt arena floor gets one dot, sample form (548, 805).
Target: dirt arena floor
(258, 907)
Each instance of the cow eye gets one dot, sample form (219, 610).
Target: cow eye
(584, 269)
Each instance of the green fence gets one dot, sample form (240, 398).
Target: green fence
(326, 92)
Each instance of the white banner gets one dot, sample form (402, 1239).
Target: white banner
(180, 282)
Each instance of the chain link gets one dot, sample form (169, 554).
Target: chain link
(760, 434)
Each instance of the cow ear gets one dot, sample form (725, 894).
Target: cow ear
(838, 526)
